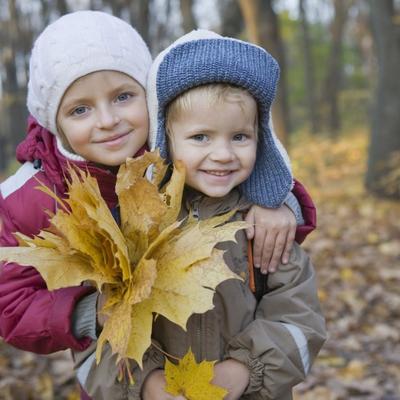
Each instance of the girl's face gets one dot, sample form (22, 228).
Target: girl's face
(103, 117)
(217, 144)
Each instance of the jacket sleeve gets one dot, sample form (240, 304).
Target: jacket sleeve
(287, 333)
(308, 212)
(102, 381)
(32, 317)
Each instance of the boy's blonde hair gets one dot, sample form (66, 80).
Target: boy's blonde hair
(215, 93)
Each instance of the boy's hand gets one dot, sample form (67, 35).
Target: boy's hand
(273, 231)
(233, 376)
(154, 387)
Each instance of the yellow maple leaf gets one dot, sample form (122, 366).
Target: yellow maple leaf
(152, 264)
(192, 380)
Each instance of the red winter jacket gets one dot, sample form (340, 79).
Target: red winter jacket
(31, 317)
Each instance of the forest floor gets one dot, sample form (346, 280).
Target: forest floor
(356, 251)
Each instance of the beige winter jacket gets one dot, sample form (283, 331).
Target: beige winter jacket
(277, 338)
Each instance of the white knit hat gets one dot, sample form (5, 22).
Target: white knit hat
(74, 46)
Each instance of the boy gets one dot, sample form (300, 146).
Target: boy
(209, 103)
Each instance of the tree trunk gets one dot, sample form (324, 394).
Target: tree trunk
(309, 70)
(139, 13)
(62, 7)
(188, 20)
(383, 174)
(231, 18)
(162, 32)
(13, 96)
(262, 26)
(335, 64)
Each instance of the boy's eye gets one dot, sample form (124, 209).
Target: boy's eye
(124, 96)
(79, 110)
(200, 137)
(240, 137)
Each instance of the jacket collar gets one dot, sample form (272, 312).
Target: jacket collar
(212, 206)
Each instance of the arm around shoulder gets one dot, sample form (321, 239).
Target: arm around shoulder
(308, 212)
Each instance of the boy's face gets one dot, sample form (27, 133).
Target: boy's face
(217, 143)
(103, 117)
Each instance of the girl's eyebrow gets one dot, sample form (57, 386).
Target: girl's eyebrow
(73, 102)
(124, 87)
(84, 99)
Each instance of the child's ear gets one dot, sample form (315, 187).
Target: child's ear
(170, 146)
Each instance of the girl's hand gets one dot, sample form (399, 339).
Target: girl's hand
(233, 376)
(154, 387)
(273, 231)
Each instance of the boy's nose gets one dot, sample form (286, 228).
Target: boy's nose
(107, 118)
(222, 153)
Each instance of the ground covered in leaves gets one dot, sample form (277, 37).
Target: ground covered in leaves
(356, 251)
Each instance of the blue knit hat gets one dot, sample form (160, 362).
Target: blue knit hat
(202, 57)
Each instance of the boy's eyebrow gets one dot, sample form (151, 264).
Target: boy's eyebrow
(202, 129)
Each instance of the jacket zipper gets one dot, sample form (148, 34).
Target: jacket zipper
(196, 215)
(195, 209)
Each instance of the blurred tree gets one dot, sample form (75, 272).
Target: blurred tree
(62, 7)
(335, 64)
(116, 6)
(361, 31)
(383, 174)
(262, 26)
(188, 20)
(162, 28)
(13, 110)
(232, 23)
(139, 12)
(310, 82)
(45, 12)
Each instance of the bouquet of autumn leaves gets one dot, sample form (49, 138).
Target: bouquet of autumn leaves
(151, 264)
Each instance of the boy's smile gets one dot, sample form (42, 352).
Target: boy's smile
(103, 117)
(216, 142)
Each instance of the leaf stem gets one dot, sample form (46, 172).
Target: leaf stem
(164, 352)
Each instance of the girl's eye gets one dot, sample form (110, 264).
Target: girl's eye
(124, 96)
(79, 110)
(200, 137)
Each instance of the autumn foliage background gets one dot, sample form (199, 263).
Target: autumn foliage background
(356, 246)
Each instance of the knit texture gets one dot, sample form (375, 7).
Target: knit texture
(210, 60)
(75, 45)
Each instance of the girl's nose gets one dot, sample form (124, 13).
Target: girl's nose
(107, 118)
